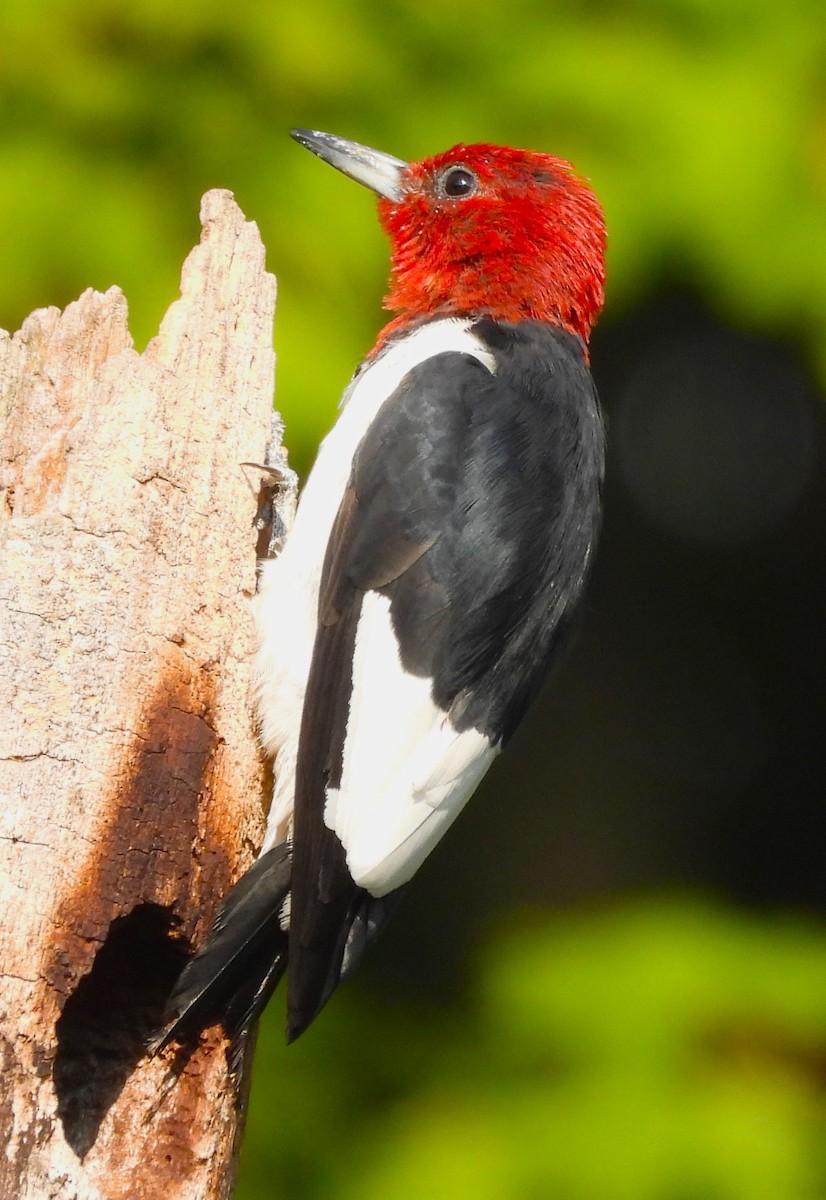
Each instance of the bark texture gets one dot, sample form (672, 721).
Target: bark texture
(131, 782)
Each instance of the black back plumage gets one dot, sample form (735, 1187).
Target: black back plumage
(473, 505)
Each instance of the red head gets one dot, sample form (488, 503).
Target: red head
(484, 230)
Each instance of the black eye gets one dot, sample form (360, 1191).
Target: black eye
(457, 182)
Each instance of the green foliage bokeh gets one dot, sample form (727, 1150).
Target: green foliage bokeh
(661, 1051)
(700, 122)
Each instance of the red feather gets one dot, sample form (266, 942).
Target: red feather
(528, 244)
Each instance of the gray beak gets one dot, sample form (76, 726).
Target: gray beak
(380, 172)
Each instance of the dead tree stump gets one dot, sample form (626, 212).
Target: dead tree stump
(131, 781)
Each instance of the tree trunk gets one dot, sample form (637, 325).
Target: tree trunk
(131, 781)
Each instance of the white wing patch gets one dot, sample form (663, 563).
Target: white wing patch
(407, 773)
(286, 605)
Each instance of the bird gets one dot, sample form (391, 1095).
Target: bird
(434, 572)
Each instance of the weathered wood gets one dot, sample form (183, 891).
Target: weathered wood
(131, 781)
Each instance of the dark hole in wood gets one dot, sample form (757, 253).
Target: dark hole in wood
(265, 520)
(106, 1021)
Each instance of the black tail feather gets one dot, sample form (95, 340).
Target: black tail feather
(232, 976)
(349, 931)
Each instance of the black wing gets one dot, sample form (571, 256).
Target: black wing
(472, 505)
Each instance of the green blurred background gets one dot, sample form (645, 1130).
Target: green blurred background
(609, 983)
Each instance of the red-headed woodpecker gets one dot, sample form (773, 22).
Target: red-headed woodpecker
(434, 569)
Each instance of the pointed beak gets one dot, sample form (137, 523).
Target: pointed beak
(380, 172)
